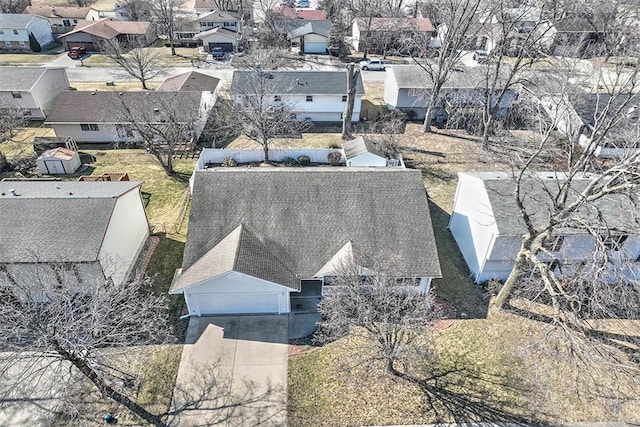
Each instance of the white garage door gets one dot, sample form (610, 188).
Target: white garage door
(236, 303)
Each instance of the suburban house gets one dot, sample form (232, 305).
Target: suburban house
(243, 8)
(488, 228)
(362, 152)
(107, 117)
(58, 161)
(290, 13)
(311, 37)
(32, 88)
(576, 35)
(408, 88)
(218, 37)
(191, 81)
(64, 18)
(309, 95)
(481, 36)
(15, 29)
(70, 232)
(382, 35)
(220, 19)
(578, 114)
(96, 36)
(259, 239)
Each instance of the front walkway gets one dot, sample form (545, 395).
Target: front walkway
(233, 372)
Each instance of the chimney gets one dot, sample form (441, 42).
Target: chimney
(13, 192)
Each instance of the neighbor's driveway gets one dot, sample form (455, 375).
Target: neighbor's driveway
(233, 372)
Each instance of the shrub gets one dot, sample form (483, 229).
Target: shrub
(229, 163)
(290, 161)
(334, 157)
(493, 287)
(304, 160)
(34, 45)
(334, 145)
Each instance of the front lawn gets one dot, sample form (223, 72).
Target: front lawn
(183, 57)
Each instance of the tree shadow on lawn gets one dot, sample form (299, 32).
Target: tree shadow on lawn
(455, 286)
(162, 267)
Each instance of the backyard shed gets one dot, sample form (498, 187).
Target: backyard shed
(59, 161)
(363, 152)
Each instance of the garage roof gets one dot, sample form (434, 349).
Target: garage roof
(296, 220)
(295, 82)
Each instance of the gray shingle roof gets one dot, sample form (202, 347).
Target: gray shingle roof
(360, 145)
(312, 27)
(45, 223)
(296, 82)
(302, 217)
(500, 189)
(107, 106)
(19, 78)
(15, 20)
(189, 81)
(413, 76)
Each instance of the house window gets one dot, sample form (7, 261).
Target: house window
(15, 32)
(7, 43)
(344, 98)
(277, 98)
(16, 94)
(66, 23)
(229, 24)
(309, 98)
(75, 21)
(1, 31)
(554, 243)
(23, 44)
(614, 243)
(89, 127)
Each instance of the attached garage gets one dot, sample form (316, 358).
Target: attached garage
(218, 37)
(236, 293)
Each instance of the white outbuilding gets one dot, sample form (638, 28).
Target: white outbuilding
(59, 161)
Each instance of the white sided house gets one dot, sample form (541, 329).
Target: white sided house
(318, 96)
(265, 241)
(108, 117)
(90, 230)
(32, 89)
(488, 227)
(16, 27)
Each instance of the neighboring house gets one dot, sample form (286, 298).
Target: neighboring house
(218, 37)
(70, 232)
(186, 35)
(311, 37)
(259, 239)
(32, 88)
(59, 161)
(381, 35)
(362, 152)
(479, 36)
(576, 35)
(191, 81)
(106, 117)
(96, 36)
(488, 227)
(578, 114)
(220, 19)
(290, 13)
(64, 18)
(244, 8)
(16, 27)
(408, 88)
(309, 95)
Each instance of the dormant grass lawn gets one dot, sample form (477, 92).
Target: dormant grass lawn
(183, 58)
(25, 58)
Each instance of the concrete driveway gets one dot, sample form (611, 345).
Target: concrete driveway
(233, 372)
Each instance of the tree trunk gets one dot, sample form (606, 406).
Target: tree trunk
(106, 389)
(265, 147)
(144, 84)
(426, 126)
(169, 167)
(507, 289)
(352, 79)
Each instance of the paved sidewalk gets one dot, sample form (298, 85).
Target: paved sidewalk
(233, 372)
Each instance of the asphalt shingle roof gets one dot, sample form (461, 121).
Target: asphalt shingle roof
(19, 78)
(302, 217)
(56, 221)
(190, 81)
(59, 11)
(360, 145)
(413, 76)
(107, 106)
(296, 82)
(500, 188)
(321, 28)
(15, 20)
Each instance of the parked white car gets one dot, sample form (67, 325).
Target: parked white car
(373, 64)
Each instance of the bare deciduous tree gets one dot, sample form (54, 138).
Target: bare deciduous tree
(165, 15)
(12, 117)
(262, 107)
(138, 10)
(353, 74)
(50, 317)
(140, 62)
(367, 299)
(13, 6)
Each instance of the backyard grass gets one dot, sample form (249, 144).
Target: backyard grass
(118, 86)
(25, 58)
